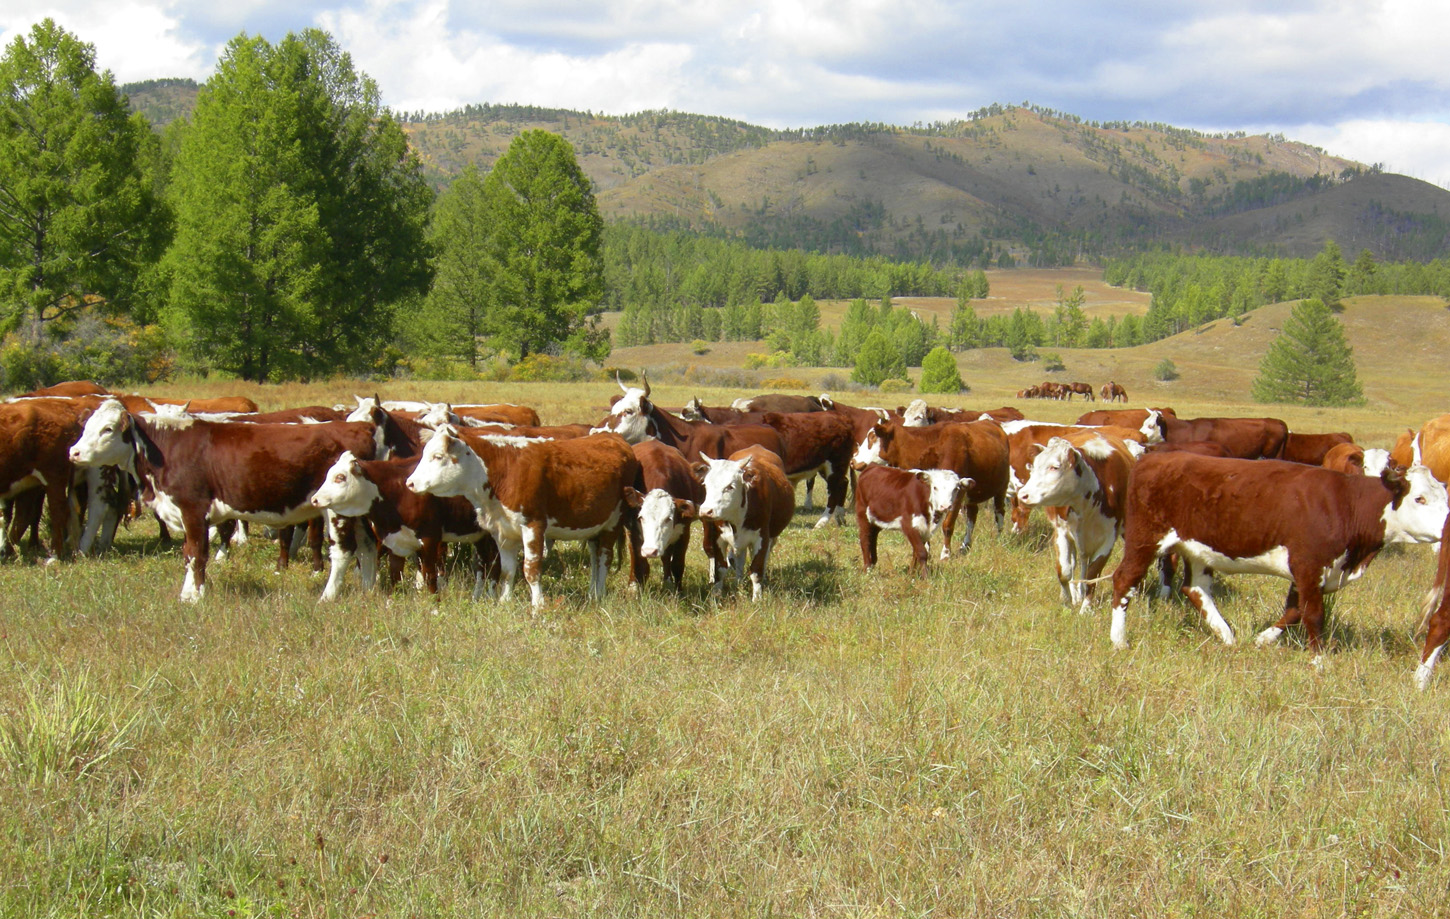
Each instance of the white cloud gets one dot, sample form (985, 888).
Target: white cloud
(1413, 148)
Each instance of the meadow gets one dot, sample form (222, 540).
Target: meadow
(858, 744)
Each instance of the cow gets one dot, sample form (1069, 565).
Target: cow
(1345, 458)
(1375, 461)
(1311, 449)
(914, 501)
(1082, 480)
(35, 440)
(667, 498)
(1436, 614)
(1245, 438)
(397, 434)
(527, 490)
(66, 390)
(779, 402)
(199, 472)
(1113, 392)
(1026, 438)
(1430, 446)
(1314, 527)
(634, 417)
(974, 450)
(406, 523)
(439, 413)
(1143, 419)
(748, 496)
(918, 414)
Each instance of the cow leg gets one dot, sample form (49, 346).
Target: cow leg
(1066, 560)
(1021, 513)
(1137, 558)
(673, 565)
(948, 525)
(598, 568)
(638, 564)
(1199, 592)
(868, 533)
(1291, 617)
(488, 569)
(343, 532)
(533, 563)
(58, 501)
(396, 564)
(971, 510)
(710, 545)
(999, 510)
(163, 532)
(225, 532)
(1311, 612)
(95, 510)
(757, 567)
(194, 550)
(919, 549)
(314, 542)
(430, 556)
(284, 548)
(117, 492)
(1439, 633)
(810, 499)
(1167, 571)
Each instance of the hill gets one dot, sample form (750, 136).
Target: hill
(1027, 183)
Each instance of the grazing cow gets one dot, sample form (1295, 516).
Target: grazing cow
(634, 417)
(200, 472)
(914, 501)
(748, 496)
(667, 498)
(35, 439)
(974, 450)
(406, 523)
(1113, 392)
(1345, 458)
(527, 490)
(1311, 449)
(1430, 446)
(1082, 480)
(1314, 527)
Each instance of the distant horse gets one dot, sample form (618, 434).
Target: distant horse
(1112, 392)
(1083, 389)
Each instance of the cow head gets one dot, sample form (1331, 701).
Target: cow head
(369, 408)
(345, 490)
(947, 491)
(872, 447)
(448, 467)
(726, 484)
(436, 415)
(693, 410)
(1152, 428)
(107, 439)
(916, 414)
(630, 415)
(171, 416)
(662, 518)
(1418, 506)
(742, 404)
(1057, 475)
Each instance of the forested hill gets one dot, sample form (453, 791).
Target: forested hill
(1031, 184)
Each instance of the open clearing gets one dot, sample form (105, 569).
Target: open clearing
(862, 745)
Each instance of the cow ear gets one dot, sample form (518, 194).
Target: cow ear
(1035, 449)
(965, 485)
(686, 509)
(632, 498)
(700, 470)
(1394, 478)
(922, 474)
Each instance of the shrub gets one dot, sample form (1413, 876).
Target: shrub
(1052, 363)
(878, 360)
(894, 385)
(546, 368)
(109, 350)
(773, 361)
(785, 383)
(700, 347)
(939, 372)
(624, 373)
(1165, 371)
(1024, 352)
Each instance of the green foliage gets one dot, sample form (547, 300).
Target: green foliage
(548, 368)
(80, 224)
(939, 373)
(111, 350)
(1327, 272)
(300, 214)
(964, 331)
(1071, 321)
(1052, 362)
(699, 347)
(1165, 371)
(1309, 361)
(894, 386)
(541, 250)
(877, 360)
(451, 323)
(64, 728)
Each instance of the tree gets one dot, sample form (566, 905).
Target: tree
(453, 315)
(878, 360)
(1309, 362)
(1326, 276)
(301, 214)
(1072, 322)
(939, 372)
(79, 222)
(542, 253)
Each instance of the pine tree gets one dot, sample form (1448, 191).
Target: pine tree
(939, 372)
(877, 361)
(1309, 362)
(453, 315)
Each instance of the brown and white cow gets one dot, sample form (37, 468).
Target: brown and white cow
(1245, 438)
(1141, 419)
(778, 402)
(1314, 527)
(975, 450)
(1082, 480)
(914, 501)
(635, 418)
(1429, 445)
(748, 496)
(667, 499)
(527, 490)
(35, 440)
(1436, 614)
(1026, 438)
(440, 413)
(918, 414)
(406, 523)
(1311, 449)
(199, 472)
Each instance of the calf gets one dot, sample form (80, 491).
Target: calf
(1082, 480)
(527, 490)
(406, 523)
(913, 501)
(749, 497)
(1316, 528)
(667, 498)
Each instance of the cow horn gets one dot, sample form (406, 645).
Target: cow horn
(622, 388)
(646, 385)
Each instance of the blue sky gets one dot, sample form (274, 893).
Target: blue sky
(1361, 79)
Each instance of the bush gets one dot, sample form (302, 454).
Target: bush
(878, 360)
(1165, 371)
(109, 350)
(1052, 363)
(939, 373)
(546, 368)
(785, 383)
(624, 373)
(700, 347)
(1024, 352)
(773, 361)
(894, 385)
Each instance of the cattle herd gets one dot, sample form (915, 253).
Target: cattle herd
(1214, 495)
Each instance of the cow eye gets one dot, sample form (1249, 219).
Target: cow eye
(1421, 500)
(339, 478)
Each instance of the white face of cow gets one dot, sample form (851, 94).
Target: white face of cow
(947, 491)
(630, 416)
(1152, 433)
(346, 490)
(435, 416)
(868, 452)
(662, 517)
(693, 411)
(1375, 461)
(915, 414)
(448, 468)
(103, 441)
(725, 488)
(1054, 477)
(1421, 514)
(366, 406)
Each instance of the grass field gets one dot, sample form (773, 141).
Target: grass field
(856, 744)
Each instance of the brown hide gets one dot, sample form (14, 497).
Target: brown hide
(889, 494)
(35, 441)
(1245, 438)
(1345, 458)
(1312, 448)
(977, 450)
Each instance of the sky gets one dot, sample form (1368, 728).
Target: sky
(1364, 79)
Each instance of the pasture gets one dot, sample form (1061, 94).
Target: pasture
(864, 745)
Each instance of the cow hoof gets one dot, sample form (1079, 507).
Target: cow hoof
(1268, 636)
(1317, 663)
(1120, 644)
(1422, 677)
